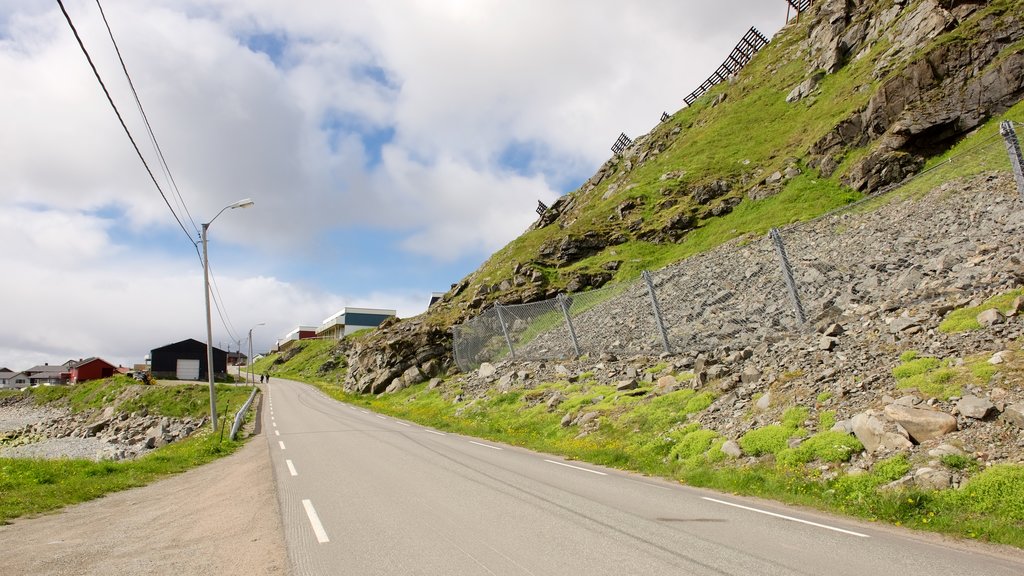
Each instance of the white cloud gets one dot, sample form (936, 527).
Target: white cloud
(382, 115)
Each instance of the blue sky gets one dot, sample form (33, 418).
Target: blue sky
(390, 148)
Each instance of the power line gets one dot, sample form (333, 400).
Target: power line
(179, 199)
(222, 312)
(162, 160)
(121, 120)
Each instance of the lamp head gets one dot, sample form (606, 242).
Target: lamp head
(245, 203)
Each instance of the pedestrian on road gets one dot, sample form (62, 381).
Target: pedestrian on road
(261, 378)
(267, 375)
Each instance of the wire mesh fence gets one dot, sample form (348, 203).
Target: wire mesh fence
(754, 289)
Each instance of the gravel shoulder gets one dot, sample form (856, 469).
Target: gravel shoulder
(221, 518)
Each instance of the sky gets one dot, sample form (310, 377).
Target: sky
(389, 147)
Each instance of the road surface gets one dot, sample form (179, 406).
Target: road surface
(361, 493)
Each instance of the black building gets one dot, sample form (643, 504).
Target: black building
(186, 360)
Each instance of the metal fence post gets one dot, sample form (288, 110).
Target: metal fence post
(563, 303)
(1013, 149)
(657, 311)
(504, 330)
(787, 275)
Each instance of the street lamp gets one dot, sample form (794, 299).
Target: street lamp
(246, 203)
(249, 363)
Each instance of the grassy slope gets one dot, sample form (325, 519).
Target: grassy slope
(29, 486)
(751, 134)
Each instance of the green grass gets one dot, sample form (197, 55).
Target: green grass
(32, 486)
(965, 319)
(127, 395)
(942, 379)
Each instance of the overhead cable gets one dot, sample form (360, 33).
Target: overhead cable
(121, 120)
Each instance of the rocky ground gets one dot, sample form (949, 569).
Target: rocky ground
(874, 292)
(30, 431)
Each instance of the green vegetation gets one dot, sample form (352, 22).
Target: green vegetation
(965, 319)
(32, 486)
(177, 400)
(939, 378)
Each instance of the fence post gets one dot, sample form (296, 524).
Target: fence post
(787, 275)
(657, 311)
(1013, 149)
(564, 305)
(504, 330)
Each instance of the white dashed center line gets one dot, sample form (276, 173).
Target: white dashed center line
(314, 520)
(790, 518)
(577, 467)
(485, 445)
(291, 468)
(277, 432)
(281, 444)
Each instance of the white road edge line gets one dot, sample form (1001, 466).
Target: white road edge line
(277, 432)
(275, 424)
(485, 445)
(435, 432)
(577, 467)
(790, 518)
(281, 444)
(291, 468)
(365, 411)
(314, 520)
(403, 424)
(382, 418)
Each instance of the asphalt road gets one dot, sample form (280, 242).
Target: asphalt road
(364, 494)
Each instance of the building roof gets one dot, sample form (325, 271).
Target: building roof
(89, 360)
(187, 340)
(57, 368)
(353, 310)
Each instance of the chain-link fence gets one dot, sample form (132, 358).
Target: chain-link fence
(752, 290)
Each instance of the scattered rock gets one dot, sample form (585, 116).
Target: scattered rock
(921, 424)
(974, 407)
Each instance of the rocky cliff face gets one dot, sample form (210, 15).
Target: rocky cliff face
(944, 89)
(937, 71)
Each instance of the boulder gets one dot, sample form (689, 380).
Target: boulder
(486, 370)
(623, 385)
(921, 424)
(587, 418)
(932, 479)
(750, 375)
(763, 402)
(974, 407)
(1014, 414)
(732, 449)
(870, 430)
(990, 317)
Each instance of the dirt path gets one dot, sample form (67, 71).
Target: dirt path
(221, 518)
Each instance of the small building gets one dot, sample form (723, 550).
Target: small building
(91, 369)
(435, 297)
(299, 333)
(349, 320)
(186, 360)
(48, 374)
(238, 358)
(6, 378)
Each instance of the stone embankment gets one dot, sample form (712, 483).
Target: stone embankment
(29, 431)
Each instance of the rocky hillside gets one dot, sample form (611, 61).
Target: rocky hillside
(854, 96)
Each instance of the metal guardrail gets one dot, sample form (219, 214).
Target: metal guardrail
(241, 413)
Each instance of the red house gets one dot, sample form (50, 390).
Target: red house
(91, 369)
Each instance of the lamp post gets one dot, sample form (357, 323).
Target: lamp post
(209, 322)
(249, 362)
